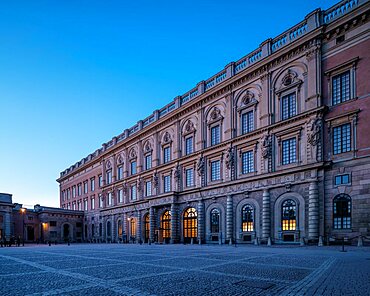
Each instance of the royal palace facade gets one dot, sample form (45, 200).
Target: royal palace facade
(273, 148)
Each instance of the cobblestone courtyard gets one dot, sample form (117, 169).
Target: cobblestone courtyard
(111, 269)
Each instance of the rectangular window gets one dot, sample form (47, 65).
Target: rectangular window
(109, 176)
(110, 200)
(101, 202)
(85, 205)
(288, 106)
(100, 180)
(85, 187)
(189, 174)
(79, 189)
(189, 145)
(133, 167)
(167, 183)
(148, 188)
(215, 170)
(74, 191)
(133, 192)
(247, 122)
(120, 172)
(53, 223)
(289, 153)
(215, 135)
(342, 138)
(80, 206)
(74, 206)
(342, 179)
(148, 162)
(166, 154)
(93, 203)
(120, 195)
(247, 162)
(341, 88)
(92, 184)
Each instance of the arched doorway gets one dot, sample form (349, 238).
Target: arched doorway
(165, 227)
(30, 233)
(119, 230)
(66, 232)
(190, 225)
(132, 230)
(146, 228)
(215, 224)
(109, 230)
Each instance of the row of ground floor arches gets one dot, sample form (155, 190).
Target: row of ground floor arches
(280, 216)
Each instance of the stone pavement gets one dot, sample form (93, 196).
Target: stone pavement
(116, 269)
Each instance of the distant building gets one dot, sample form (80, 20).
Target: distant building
(40, 224)
(275, 146)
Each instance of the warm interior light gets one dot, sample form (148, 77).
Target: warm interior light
(23, 210)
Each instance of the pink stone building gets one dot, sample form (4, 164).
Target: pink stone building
(273, 147)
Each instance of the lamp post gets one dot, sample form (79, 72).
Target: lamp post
(23, 212)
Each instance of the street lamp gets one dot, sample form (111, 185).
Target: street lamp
(23, 212)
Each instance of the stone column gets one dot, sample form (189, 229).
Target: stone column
(138, 228)
(7, 226)
(201, 221)
(229, 218)
(151, 224)
(174, 223)
(113, 225)
(124, 226)
(313, 211)
(266, 215)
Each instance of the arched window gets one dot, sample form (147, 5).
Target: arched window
(289, 215)
(166, 224)
(342, 211)
(133, 227)
(190, 223)
(109, 229)
(215, 221)
(147, 227)
(119, 227)
(247, 218)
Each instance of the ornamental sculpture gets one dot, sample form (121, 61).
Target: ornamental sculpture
(155, 180)
(266, 146)
(200, 166)
(314, 134)
(230, 159)
(177, 173)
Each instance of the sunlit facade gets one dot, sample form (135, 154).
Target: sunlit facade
(261, 151)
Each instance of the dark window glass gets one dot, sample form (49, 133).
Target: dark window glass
(166, 154)
(247, 122)
(342, 138)
(288, 106)
(342, 212)
(215, 170)
(189, 177)
(288, 215)
(247, 218)
(289, 154)
(341, 88)
(189, 145)
(215, 221)
(247, 162)
(215, 135)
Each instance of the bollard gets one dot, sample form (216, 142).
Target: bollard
(360, 242)
(320, 244)
(230, 242)
(191, 241)
(343, 250)
(269, 242)
(301, 242)
(256, 241)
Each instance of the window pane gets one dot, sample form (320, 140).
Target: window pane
(341, 88)
(215, 170)
(247, 122)
(133, 167)
(148, 162)
(247, 162)
(167, 183)
(189, 145)
(288, 106)
(342, 139)
(166, 154)
(189, 177)
(289, 151)
(215, 135)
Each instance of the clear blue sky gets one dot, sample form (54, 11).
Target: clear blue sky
(73, 74)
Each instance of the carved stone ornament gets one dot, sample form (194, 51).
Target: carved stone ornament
(120, 159)
(140, 184)
(314, 134)
(177, 173)
(132, 153)
(230, 159)
(200, 165)
(155, 180)
(215, 114)
(108, 165)
(124, 188)
(266, 146)
(289, 78)
(166, 138)
(147, 147)
(248, 98)
(189, 127)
